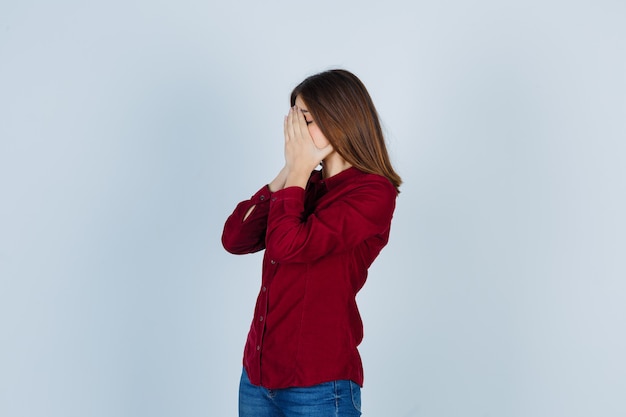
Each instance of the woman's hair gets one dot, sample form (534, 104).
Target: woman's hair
(343, 110)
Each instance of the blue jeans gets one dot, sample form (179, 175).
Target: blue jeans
(330, 399)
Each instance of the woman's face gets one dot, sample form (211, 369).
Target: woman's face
(318, 137)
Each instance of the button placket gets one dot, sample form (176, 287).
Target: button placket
(261, 317)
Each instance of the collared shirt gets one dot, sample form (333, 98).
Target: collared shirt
(319, 244)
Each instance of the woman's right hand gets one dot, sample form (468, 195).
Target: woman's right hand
(301, 154)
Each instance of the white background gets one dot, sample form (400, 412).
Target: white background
(130, 129)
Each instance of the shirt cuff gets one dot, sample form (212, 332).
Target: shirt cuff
(289, 193)
(261, 196)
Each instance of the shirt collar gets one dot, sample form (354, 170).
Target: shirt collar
(336, 179)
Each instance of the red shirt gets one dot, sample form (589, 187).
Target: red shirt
(318, 245)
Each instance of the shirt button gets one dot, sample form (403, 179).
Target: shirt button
(261, 318)
(264, 289)
(272, 262)
(258, 347)
(273, 198)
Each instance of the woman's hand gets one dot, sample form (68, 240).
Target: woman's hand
(301, 154)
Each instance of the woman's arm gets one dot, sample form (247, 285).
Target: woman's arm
(359, 213)
(244, 230)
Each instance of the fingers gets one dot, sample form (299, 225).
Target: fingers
(291, 124)
(288, 128)
(295, 127)
(301, 125)
(300, 122)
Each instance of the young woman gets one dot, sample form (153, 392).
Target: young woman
(321, 230)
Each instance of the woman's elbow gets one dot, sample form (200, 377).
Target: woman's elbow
(238, 247)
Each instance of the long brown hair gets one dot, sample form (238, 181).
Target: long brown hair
(343, 110)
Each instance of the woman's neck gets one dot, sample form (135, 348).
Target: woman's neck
(333, 165)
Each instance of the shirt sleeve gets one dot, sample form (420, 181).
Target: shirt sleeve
(247, 236)
(360, 213)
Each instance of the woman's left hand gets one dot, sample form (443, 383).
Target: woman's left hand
(301, 154)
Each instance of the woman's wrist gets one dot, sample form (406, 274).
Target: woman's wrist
(297, 178)
(278, 183)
